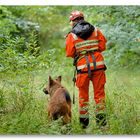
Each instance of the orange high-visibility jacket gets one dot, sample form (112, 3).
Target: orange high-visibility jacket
(96, 42)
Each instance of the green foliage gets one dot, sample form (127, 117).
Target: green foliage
(18, 42)
(120, 24)
(23, 106)
(32, 47)
(40, 29)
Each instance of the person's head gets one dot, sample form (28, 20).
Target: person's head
(75, 16)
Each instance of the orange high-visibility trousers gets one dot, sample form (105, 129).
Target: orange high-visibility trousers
(98, 81)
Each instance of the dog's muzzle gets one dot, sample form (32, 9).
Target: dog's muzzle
(45, 91)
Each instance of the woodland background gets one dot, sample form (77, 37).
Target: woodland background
(32, 46)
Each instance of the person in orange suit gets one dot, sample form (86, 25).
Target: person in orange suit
(85, 44)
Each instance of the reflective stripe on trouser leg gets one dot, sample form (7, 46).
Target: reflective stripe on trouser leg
(98, 81)
(84, 112)
(84, 116)
(83, 106)
(83, 96)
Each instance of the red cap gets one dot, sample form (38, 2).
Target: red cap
(75, 14)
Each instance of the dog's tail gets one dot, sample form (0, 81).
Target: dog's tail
(68, 100)
(67, 96)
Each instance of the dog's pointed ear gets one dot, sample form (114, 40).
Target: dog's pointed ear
(59, 79)
(50, 81)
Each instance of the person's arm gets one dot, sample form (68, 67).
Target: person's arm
(102, 41)
(70, 48)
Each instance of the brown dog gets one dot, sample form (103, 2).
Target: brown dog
(60, 102)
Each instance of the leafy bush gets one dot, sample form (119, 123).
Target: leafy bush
(120, 24)
(32, 48)
(19, 42)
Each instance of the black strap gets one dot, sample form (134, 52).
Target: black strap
(82, 72)
(88, 66)
(73, 94)
(74, 80)
(87, 62)
(94, 61)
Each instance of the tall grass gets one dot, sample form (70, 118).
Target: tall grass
(23, 105)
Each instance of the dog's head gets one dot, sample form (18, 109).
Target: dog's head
(52, 85)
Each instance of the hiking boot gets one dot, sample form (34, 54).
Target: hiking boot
(84, 122)
(101, 119)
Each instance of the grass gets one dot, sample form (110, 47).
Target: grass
(23, 105)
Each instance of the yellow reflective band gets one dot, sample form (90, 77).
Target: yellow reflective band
(87, 50)
(91, 64)
(85, 108)
(86, 43)
(84, 115)
(74, 36)
(95, 31)
(100, 111)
